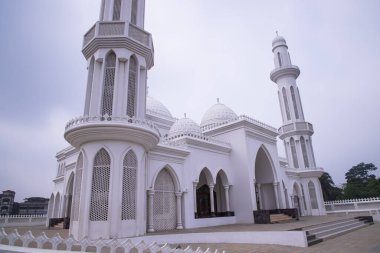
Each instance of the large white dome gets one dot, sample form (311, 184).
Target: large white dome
(218, 114)
(156, 108)
(185, 126)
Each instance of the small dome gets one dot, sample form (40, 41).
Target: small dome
(218, 114)
(278, 41)
(155, 107)
(185, 126)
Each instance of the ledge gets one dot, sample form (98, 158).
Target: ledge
(291, 70)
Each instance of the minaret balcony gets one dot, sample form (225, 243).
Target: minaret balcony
(97, 128)
(291, 70)
(295, 128)
(305, 172)
(118, 34)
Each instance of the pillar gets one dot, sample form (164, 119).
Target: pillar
(275, 187)
(179, 210)
(226, 192)
(259, 193)
(150, 210)
(195, 199)
(211, 186)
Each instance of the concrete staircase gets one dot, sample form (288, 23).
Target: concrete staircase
(325, 231)
(277, 218)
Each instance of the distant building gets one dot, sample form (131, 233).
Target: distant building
(6, 202)
(33, 206)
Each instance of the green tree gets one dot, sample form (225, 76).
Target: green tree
(361, 183)
(329, 190)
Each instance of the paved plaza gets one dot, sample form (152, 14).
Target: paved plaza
(362, 240)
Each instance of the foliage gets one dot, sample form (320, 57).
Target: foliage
(329, 190)
(361, 183)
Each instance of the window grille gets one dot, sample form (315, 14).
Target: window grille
(100, 186)
(128, 205)
(164, 202)
(109, 80)
(116, 10)
(132, 87)
(304, 152)
(286, 103)
(78, 182)
(313, 195)
(134, 12)
(294, 102)
(294, 153)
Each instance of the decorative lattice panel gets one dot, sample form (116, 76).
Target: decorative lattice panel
(164, 202)
(294, 152)
(132, 87)
(294, 102)
(100, 186)
(128, 208)
(109, 80)
(285, 97)
(304, 152)
(116, 10)
(77, 188)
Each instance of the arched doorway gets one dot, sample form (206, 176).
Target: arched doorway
(206, 203)
(265, 186)
(68, 201)
(164, 202)
(221, 189)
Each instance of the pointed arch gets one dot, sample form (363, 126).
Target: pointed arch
(132, 86)
(164, 201)
(172, 173)
(57, 202)
(223, 177)
(279, 59)
(100, 186)
(128, 204)
(313, 195)
(294, 152)
(295, 107)
(207, 174)
(286, 103)
(51, 206)
(116, 10)
(108, 83)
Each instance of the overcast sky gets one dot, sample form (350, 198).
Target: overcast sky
(204, 49)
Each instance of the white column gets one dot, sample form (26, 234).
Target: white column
(195, 198)
(211, 186)
(275, 186)
(179, 210)
(227, 194)
(150, 210)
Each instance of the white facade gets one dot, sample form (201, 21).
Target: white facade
(133, 168)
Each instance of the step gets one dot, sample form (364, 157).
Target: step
(311, 227)
(342, 232)
(337, 229)
(324, 227)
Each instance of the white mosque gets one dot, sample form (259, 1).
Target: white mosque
(132, 168)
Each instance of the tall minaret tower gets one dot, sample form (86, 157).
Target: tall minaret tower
(113, 136)
(295, 132)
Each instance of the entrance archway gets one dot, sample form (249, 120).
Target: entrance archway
(204, 199)
(265, 182)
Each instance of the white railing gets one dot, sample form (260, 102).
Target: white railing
(177, 139)
(22, 220)
(366, 206)
(118, 28)
(29, 240)
(83, 120)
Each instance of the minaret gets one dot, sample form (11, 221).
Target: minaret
(113, 136)
(296, 132)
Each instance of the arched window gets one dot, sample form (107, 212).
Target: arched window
(279, 59)
(304, 152)
(128, 205)
(294, 153)
(116, 10)
(100, 186)
(77, 187)
(109, 80)
(134, 12)
(313, 195)
(131, 102)
(294, 102)
(286, 103)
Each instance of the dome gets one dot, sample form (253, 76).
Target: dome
(185, 126)
(278, 41)
(155, 107)
(217, 114)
